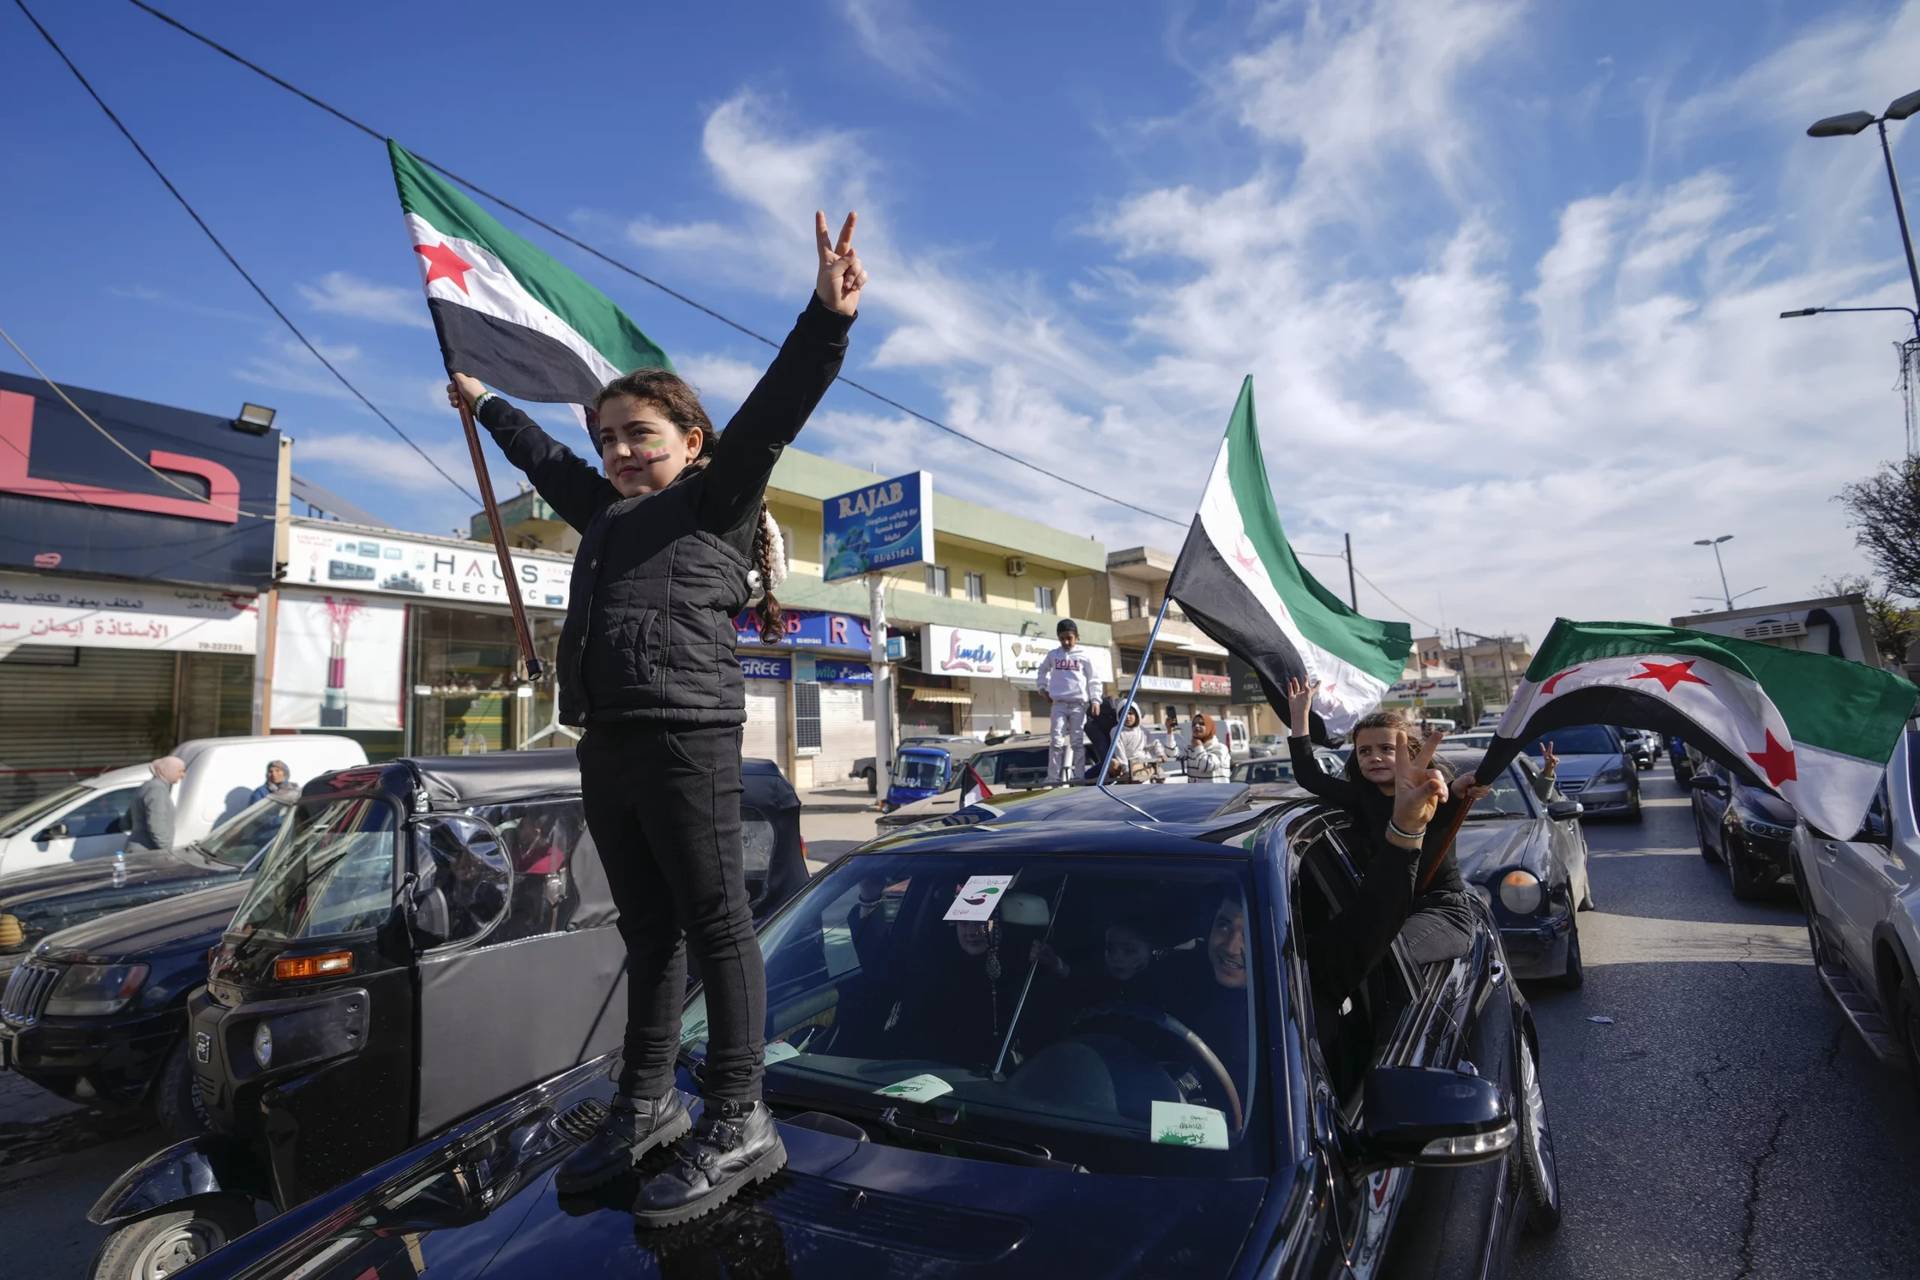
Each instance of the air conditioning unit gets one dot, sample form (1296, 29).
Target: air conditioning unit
(1016, 567)
(1775, 629)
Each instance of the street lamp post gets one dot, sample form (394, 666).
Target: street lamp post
(1845, 126)
(1719, 564)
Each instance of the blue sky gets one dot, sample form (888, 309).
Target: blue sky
(1506, 274)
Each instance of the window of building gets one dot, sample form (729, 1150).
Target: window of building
(786, 544)
(1130, 660)
(937, 580)
(1043, 599)
(1209, 667)
(807, 738)
(977, 588)
(1136, 607)
(1176, 666)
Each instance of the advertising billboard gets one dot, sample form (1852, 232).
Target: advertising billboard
(886, 525)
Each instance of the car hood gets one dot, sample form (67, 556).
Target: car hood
(56, 898)
(1578, 768)
(156, 927)
(1766, 806)
(842, 1208)
(1489, 846)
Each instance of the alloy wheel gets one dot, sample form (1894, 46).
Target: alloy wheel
(177, 1249)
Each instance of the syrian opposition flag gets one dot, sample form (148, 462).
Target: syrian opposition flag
(973, 788)
(507, 313)
(1238, 580)
(1815, 730)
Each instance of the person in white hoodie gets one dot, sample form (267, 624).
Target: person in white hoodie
(1134, 751)
(1072, 683)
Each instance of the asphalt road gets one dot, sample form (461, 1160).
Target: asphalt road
(1727, 1123)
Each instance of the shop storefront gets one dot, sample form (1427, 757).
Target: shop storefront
(406, 643)
(988, 679)
(810, 697)
(129, 613)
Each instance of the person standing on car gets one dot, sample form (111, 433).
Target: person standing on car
(1207, 758)
(675, 542)
(1070, 680)
(151, 820)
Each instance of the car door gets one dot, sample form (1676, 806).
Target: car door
(1858, 878)
(98, 825)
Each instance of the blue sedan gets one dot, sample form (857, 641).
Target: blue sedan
(1048, 1038)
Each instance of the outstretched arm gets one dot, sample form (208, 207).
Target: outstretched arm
(572, 486)
(779, 406)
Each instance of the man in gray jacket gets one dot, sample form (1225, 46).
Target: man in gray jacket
(153, 805)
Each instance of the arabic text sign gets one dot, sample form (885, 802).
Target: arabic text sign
(977, 898)
(124, 616)
(885, 525)
(332, 557)
(1430, 688)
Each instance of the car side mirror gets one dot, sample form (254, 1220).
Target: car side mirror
(1429, 1116)
(57, 831)
(1708, 783)
(1561, 810)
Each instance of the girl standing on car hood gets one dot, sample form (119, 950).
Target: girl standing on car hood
(674, 543)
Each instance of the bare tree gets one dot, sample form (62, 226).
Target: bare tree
(1884, 510)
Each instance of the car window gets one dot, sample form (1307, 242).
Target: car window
(107, 814)
(539, 841)
(920, 772)
(1578, 740)
(1025, 767)
(31, 816)
(333, 874)
(236, 841)
(1079, 980)
(1512, 796)
(1257, 771)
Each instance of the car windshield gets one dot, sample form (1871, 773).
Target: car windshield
(1100, 1012)
(35, 810)
(919, 771)
(1509, 798)
(236, 841)
(1026, 767)
(1578, 740)
(333, 873)
(1257, 771)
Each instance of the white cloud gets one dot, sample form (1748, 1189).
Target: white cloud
(384, 461)
(908, 47)
(341, 293)
(720, 380)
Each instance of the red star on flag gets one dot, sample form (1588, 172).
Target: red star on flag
(444, 264)
(1669, 674)
(1776, 762)
(1556, 678)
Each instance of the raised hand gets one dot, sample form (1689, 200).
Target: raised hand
(1300, 705)
(1418, 787)
(464, 389)
(1550, 763)
(841, 277)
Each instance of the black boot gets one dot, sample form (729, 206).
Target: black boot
(736, 1145)
(633, 1127)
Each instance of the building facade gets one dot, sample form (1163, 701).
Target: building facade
(1186, 672)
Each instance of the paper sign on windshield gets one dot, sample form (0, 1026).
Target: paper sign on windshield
(978, 897)
(927, 1088)
(1180, 1124)
(778, 1051)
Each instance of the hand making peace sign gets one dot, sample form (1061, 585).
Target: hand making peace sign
(1418, 787)
(841, 276)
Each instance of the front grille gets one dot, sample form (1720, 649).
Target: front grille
(1571, 786)
(27, 992)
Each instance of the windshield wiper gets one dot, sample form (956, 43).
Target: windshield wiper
(887, 1120)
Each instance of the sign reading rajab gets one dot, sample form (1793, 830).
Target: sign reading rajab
(886, 525)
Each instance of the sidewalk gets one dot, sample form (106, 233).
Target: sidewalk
(835, 818)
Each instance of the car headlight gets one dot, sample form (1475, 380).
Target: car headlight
(263, 1045)
(90, 990)
(1612, 773)
(1759, 826)
(1521, 892)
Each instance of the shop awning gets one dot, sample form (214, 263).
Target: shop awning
(951, 697)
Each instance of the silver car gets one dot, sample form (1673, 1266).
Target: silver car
(1595, 769)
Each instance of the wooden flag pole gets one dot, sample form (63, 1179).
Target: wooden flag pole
(514, 603)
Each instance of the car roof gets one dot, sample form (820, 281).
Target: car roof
(1193, 818)
(491, 777)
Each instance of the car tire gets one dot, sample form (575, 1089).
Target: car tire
(1633, 809)
(1746, 886)
(163, 1243)
(1539, 1170)
(1707, 851)
(1575, 976)
(176, 1097)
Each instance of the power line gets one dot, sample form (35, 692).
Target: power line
(228, 254)
(1395, 603)
(635, 272)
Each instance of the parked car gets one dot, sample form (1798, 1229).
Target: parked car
(1522, 851)
(1638, 744)
(1594, 769)
(54, 898)
(1863, 912)
(925, 767)
(1748, 830)
(1279, 768)
(1471, 739)
(1019, 764)
(863, 766)
(440, 920)
(932, 1131)
(89, 818)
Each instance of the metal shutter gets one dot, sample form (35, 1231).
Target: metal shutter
(766, 735)
(112, 707)
(846, 730)
(216, 696)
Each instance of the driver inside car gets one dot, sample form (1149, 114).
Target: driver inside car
(1206, 987)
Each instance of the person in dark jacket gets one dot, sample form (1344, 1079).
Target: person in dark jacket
(1101, 726)
(674, 543)
(150, 824)
(1436, 920)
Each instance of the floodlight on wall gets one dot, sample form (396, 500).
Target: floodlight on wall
(254, 419)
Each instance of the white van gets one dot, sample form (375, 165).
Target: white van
(90, 818)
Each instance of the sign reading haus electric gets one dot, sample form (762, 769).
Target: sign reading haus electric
(884, 526)
(321, 555)
(190, 500)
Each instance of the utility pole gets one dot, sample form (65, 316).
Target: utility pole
(1353, 591)
(882, 683)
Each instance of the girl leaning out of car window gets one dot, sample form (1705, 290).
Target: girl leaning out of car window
(674, 542)
(1440, 924)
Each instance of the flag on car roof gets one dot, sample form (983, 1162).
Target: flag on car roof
(506, 313)
(973, 788)
(1239, 581)
(1815, 730)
